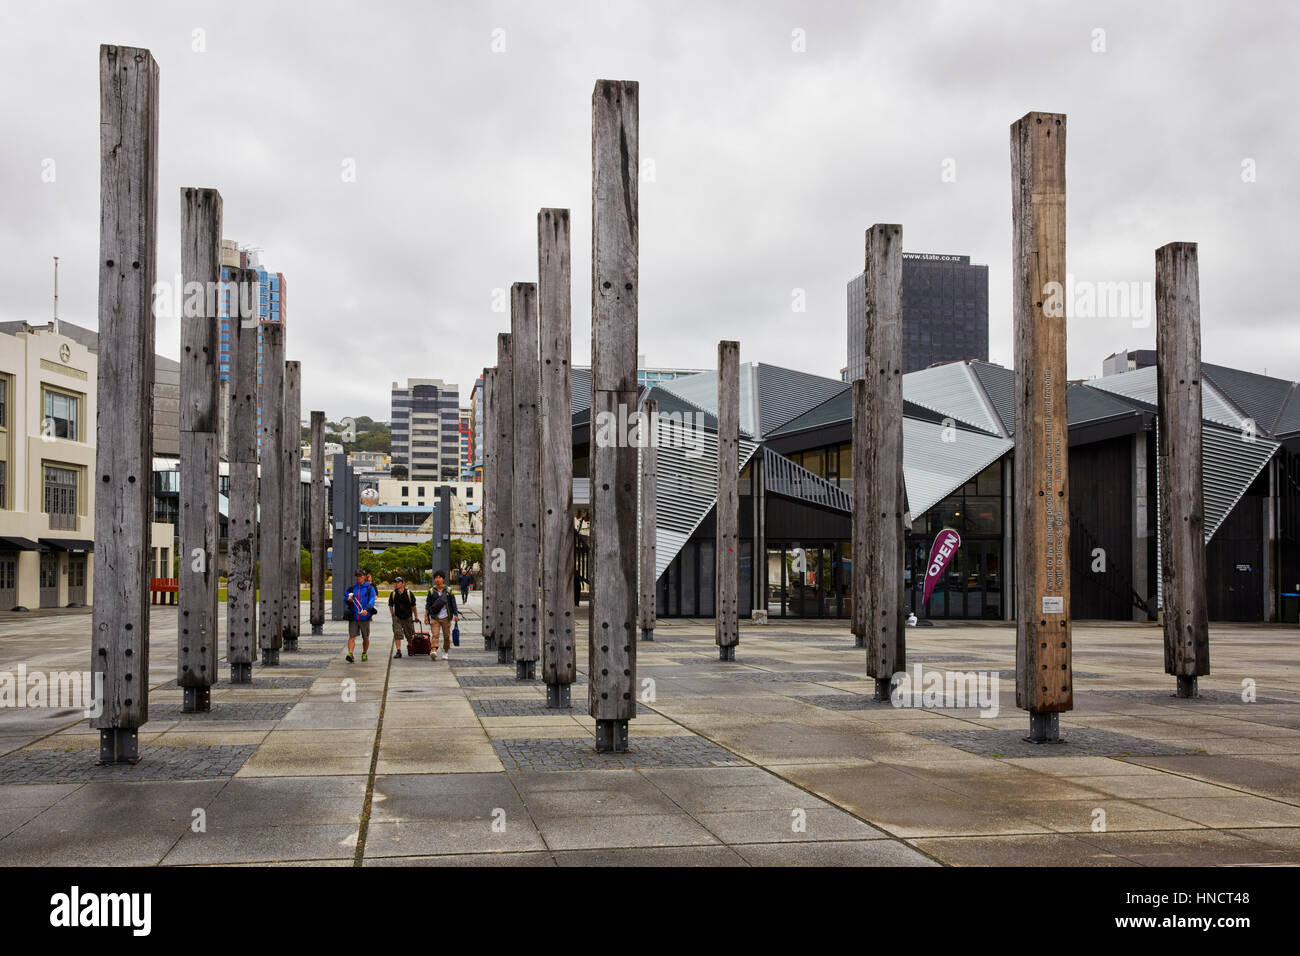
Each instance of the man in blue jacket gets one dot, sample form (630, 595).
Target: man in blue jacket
(359, 603)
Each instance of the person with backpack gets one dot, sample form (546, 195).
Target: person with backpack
(401, 604)
(359, 605)
(439, 612)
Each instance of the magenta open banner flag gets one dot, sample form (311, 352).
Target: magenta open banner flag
(945, 546)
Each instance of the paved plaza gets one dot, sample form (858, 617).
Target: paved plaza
(778, 758)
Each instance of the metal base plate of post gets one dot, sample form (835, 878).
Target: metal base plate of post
(317, 629)
(557, 695)
(1044, 728)
(197, 700)
(503, 655)
(489, 643)
(727, 653)
(270, 657)
(647, 633)
(119, 745)
(611, 736)
(290, 643)
(1186, 687)
(525, 670)
(883, 686)
(859, 640)
(241, 673)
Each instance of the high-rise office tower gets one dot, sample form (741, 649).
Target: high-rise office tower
(945, 312)
(426, 429)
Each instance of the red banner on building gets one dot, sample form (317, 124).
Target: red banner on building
(941, 552)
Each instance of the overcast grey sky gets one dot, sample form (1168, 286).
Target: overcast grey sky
(768, 163)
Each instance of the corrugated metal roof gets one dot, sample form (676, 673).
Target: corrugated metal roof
(952, 391)
(1231, 464)
(1088, 405)
(1140, 385)
(701, 391)
(1288, 422)
(933, 467)
(1260, 397)
(580, 390)
(1000, 386)
(781, 476)
(784, 394)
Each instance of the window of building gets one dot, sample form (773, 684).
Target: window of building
(62, 411)
(61, 497)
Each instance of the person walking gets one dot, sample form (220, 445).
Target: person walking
(360, 603)
(401, 604)
(439, 612)
(466, 582)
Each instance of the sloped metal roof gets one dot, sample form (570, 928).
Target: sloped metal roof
(1088, 405)
(937, 460)
(1260, 397)
(1230, 465)
(701, 391)
(781, 476)
(1000, 386)
(953, 391)
(579, 390)
(1140, 385)
(784, 394)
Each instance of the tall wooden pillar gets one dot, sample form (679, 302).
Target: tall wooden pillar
(884, 617)
(271, 459)
(128, 256)
(488, 509)
(726, 621)
(502, 565)
(199, 518)
(860, 547)
(649, 515)
(317, 509)
(614, 273)
(242, 545)
(554, 306)
(342, 563)
(1044, 683)
(525, 496)
(441, 550)
(291, 512)
(1182, 506)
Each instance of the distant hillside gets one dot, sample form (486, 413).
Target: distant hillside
(370, 435)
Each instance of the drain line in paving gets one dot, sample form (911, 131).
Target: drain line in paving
(374, 762)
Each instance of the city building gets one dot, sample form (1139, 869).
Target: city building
(795, 556)
(272, 300)
(945, 313)
(1131, 361)
(47, 455)
(426, 436)
(476, 405)
(466, 457)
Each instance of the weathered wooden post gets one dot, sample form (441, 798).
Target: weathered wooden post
(860, 575)
(342, 562)
(503, 417)
(649, 514)
(1044, 684)
(726, 621)
(884, 617)
(1182, 505)
(555, 310)
(525, 496)
(128, 250)
(291, 509)
(614, 275)
(488, 512)
(242, 547)
(270, 551)
(199, 518)
(317, 509)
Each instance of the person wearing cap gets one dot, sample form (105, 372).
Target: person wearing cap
(359, 602)
(401, 604)
(440, 612)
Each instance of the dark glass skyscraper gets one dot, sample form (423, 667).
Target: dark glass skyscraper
(945, 312)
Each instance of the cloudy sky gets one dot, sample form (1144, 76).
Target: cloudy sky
(772, 135)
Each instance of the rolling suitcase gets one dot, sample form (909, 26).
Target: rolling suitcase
(419, 644)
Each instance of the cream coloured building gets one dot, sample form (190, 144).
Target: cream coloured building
(47, 455)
